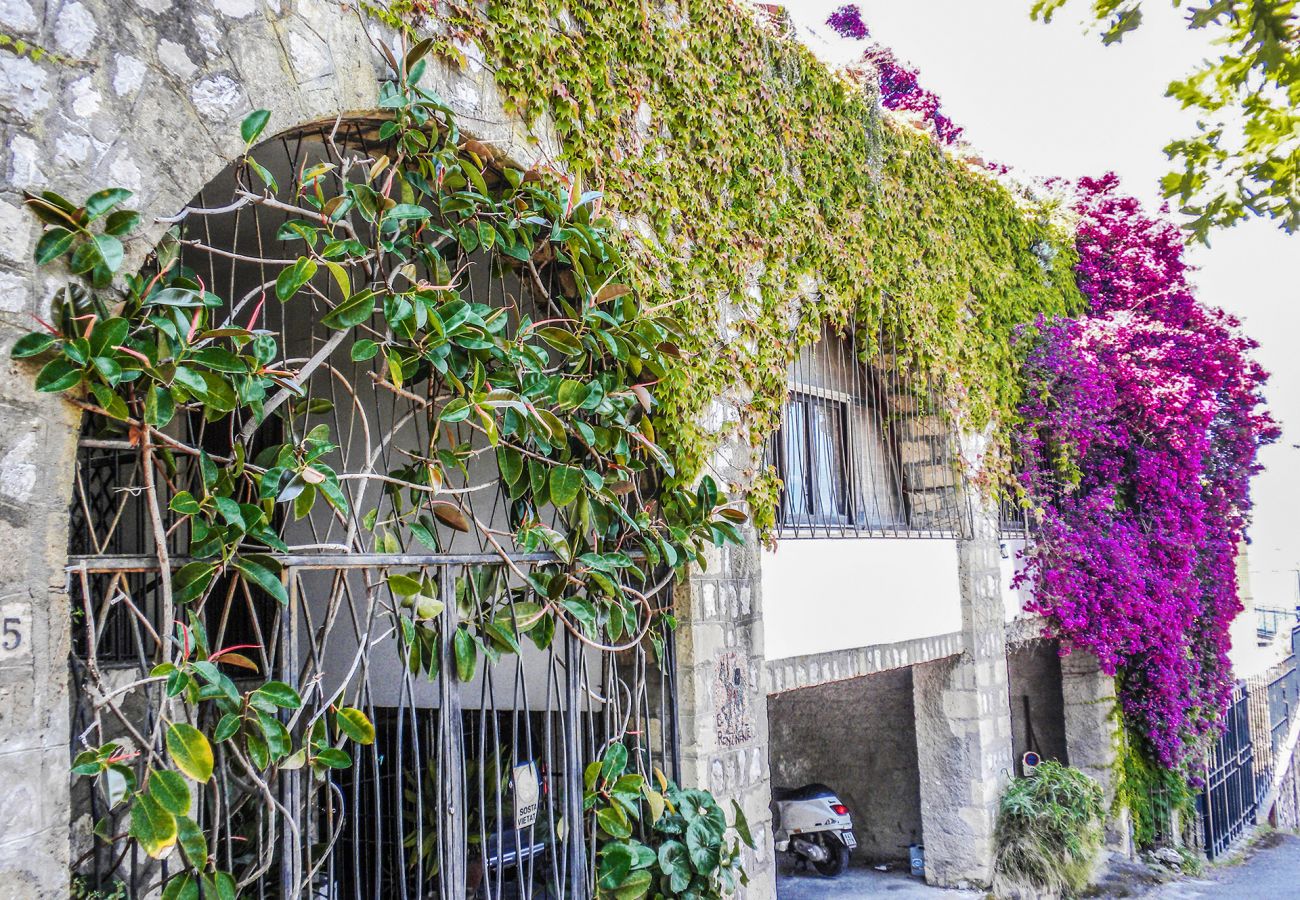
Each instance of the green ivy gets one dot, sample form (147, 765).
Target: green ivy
(757, 167)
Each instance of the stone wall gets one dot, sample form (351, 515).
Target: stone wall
(859, 737)
(148, 95)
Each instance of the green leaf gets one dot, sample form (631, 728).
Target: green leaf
(101, 202)
(264, 572)
(181, 887)
(354, 723)
(614, 763)
(194, 844)
(363, 350)
(170, 790)
(153, 827)
(190, 751)
(675, 862)
(510, 462)
(615, 864)
(614, 822)
(407, 211)
(637, 885)
(32, 344)
(334, 758)
(742, 825)
(561, 340)
(122, 222)
(702, 845)
(253, 125)
(226, 728)
(291, 279)
(280, 694)
(353, 311)
(58, 375)
(565, 481)
(466, 654)
(55, 242)
(110, 251)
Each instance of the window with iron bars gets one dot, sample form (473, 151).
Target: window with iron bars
(860, 451)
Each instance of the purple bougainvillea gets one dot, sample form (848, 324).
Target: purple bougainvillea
(1141, 426)
(900, 88)
(847, 22)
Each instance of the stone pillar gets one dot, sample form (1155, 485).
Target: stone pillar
(36, 447)
(963, 722)
(1092, 726)
(722, 697)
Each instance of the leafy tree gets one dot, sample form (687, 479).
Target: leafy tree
(1244, 157)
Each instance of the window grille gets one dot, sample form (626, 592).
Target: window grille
(862, 451)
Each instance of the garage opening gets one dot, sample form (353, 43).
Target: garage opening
(1037, 704)
(858, 737)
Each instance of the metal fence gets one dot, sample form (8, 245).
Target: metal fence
(1269, 620)
(1229, 801)
(1245, 758)
(473, 785)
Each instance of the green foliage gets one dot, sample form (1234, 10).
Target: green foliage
(1150, 792)
(653, 838)
(1048, 832)
(1242, 158)
(566, 401)
(759, 167)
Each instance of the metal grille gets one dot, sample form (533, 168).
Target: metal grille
(1228, 804)
(863, 451)
(435, 806)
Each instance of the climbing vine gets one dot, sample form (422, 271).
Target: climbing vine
(563, 402)
(740, 165)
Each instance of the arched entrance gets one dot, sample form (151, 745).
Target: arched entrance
(360, 559)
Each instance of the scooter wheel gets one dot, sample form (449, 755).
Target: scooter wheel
(837, 859)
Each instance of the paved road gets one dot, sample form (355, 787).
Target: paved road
(1268, 871)
(862, 881)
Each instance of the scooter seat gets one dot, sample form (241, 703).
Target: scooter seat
(807, 792)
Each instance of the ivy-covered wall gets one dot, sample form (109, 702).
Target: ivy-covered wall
(743, 166)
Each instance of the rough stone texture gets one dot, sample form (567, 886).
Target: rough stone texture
(721, 691)
(1091, 734)
(963, 724)
(1034, 676)
(838, 665)
(146, 95)
(858, 737)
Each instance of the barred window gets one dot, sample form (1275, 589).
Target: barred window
(858, 452)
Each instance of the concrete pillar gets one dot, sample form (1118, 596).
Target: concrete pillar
(1092, 726)
(963, 721)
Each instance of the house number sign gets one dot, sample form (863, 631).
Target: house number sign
(15, 631)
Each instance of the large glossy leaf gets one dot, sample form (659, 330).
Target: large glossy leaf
(153, 827)
(190, 750)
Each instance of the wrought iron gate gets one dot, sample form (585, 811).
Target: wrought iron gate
(484, 713)
(1228, 804)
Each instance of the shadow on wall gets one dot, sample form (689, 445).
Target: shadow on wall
(859, 737)
(1037, 704)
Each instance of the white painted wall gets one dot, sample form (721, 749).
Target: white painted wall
(825, 595)
(1013, 599)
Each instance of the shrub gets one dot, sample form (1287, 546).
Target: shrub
(1049, 831)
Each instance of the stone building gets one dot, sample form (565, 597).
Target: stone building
(880, 648)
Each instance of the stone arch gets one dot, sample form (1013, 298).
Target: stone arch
(146, 95)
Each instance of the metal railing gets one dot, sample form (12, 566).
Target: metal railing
(1229, 801)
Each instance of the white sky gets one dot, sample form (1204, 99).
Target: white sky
(1052, 100)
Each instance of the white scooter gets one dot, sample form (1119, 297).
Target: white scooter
(815, 826)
